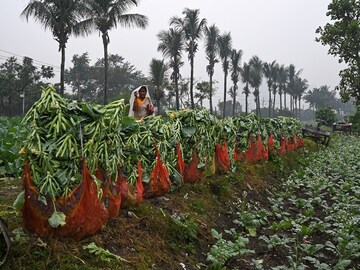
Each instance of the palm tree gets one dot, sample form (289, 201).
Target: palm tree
(61, 17)
(256, 79)
(235, 74)
(282, 82)
(193, 29)
(171, 45)
(158, 71)
(211, 49)
(224, 44)
(105, 15)
(275, 86)
(300, 86)
(245, 73)
(290, 86)
(269, 70)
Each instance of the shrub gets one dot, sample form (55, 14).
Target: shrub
(355, 120)
(326, 116)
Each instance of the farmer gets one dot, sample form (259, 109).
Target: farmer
(140, 103)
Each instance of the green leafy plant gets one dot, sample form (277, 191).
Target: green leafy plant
(326, 116)
(103, 254)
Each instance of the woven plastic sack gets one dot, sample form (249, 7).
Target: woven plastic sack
(300, 142)
(250, 152)
(291, 146)
(131, 195)
(85, 213)
(111, 193)
(222, 158)
(159, 182)
(259, 149)
(271, 141)
(265, 153)
(283, 143)
(180, 161)
(210, 166)
(192, 173)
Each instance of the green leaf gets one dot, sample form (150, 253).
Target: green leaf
(188, 131)
(215, 234)
(57, 219)
(342, 264)
(19, 201)
(252, 231)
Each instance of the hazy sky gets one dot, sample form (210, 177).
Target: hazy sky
(281, 30)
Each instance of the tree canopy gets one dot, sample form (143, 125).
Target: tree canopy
(343, 37)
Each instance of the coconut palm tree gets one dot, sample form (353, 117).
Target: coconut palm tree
(224, 44)
(171, 45)
(269, 70)
(105, 15)
(193, 29)
(300, 86)
(256, 79)
(158, 71)
(212, 50)
(245, 73)
(235, 74)
(61, 17)
(275, 86)
(292, 73)
(282, 82)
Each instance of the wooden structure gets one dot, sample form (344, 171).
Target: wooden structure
(342, 126)
(316, 134)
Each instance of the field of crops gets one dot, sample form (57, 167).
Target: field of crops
(278, 211)
(312, 221)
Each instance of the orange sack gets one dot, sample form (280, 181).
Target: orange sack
(222, 158)
(249, 154)
(159, 183)
(131, 195)
(111, 193)
(180, 166)
(283, 143)
(192, 173)
(85, 213)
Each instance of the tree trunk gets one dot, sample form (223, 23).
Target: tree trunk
(280, 100)
(246, 99)
(234, 101)
(210, 94)
(274, 99)
(105, 43)
(246, 104)
(269, 101)
(62, 70)
(192, 81)
(10, 106)
(225, 77)
(177, 92)
(284, 100)
(258, 102)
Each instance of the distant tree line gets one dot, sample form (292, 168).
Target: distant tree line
(113, 77)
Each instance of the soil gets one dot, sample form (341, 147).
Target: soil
(169, 232)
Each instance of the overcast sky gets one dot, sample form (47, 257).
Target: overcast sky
(281, 30)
